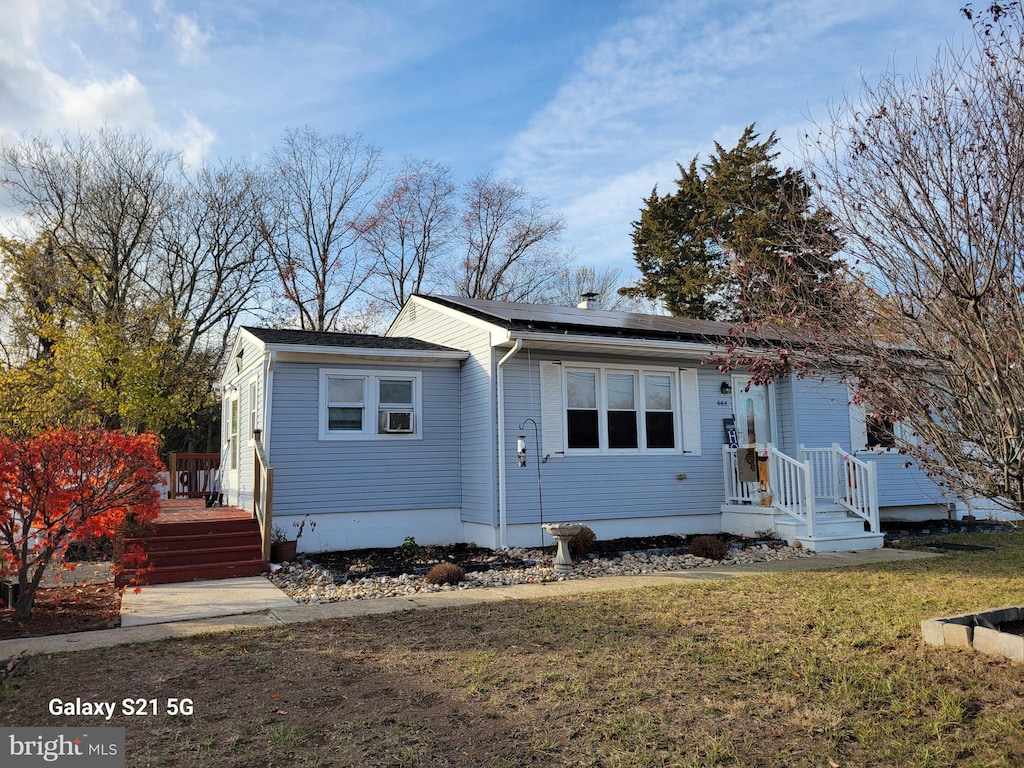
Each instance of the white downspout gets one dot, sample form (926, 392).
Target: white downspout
(268, 397)
(502, 507)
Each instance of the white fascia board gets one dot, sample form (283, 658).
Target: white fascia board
(464, 317)
(229, 372)
(606, 344)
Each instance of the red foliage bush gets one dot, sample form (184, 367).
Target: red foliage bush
(63, 486)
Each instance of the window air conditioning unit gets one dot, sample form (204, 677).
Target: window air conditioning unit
(398, 421)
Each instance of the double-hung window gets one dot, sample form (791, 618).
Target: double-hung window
(621, 416)
(582, 416)
(659, 413)
(345, 403)
(359, 404)
(617, 409)
(873, 430)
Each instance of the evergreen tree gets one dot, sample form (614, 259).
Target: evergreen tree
(706, 249)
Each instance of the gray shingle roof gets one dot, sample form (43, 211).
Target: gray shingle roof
(342, 340)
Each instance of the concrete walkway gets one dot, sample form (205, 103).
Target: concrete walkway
(180, 610)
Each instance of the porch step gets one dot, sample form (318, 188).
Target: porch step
(833, 532)
(199, 544)
(163, 543)
(198, 528)
(182, 573)
(854, 542)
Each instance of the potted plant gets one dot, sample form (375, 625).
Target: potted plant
(282, 549)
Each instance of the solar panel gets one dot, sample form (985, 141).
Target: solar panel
(514, 314)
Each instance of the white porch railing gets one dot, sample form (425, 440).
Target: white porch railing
(845, 480)
(794, 486)
(784, 483)
(737, 491)
(791, 487)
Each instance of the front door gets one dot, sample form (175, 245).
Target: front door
(751, 409)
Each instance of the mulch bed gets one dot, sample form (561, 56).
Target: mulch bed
(67, 608)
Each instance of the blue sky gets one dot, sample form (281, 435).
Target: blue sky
(588, 103)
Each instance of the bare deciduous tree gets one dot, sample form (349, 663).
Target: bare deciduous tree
(925, 177)
(99, 200)
(508, 243)
(214, 263)
(573, 282)
(409, 232)
(128, 285)
(320, 187)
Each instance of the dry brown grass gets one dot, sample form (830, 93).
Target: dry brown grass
(803, 669)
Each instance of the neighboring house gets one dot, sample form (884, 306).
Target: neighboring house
(418, 433)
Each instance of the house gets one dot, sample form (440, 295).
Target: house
(424, 432)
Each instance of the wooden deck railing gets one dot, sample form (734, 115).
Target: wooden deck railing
(192, 475)
(263, 494)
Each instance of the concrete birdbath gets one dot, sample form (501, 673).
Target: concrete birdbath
(562, 532)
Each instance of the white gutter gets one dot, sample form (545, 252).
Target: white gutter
(502, 496)
(610, 342)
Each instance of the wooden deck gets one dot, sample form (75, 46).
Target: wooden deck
(194, 510)
(190, 542)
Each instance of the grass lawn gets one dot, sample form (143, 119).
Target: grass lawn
(805, 669)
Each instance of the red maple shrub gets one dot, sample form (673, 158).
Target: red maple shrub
(63, 486)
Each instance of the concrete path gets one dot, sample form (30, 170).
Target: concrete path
(166, 603)
(168, 611)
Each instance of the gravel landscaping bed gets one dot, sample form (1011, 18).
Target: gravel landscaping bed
(306, 581)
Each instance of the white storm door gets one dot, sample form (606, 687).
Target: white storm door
(751, 409)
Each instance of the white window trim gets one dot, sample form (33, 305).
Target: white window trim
(371, 404)
(253, 410)
(680, 395)
(234, 417)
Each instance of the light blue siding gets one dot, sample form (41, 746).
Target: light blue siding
(611, 486)
(478, 406)
(314, 476)
(822, 417)
(821, 413)
(785, 416)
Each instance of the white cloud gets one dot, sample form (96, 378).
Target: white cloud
(54, 79)
(49, 83)
(662, 86)
(189, 39)
(194, 139)
(91, 104)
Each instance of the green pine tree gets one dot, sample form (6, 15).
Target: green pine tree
(735, 228)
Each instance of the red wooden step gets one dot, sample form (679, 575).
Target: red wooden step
(202, 527)
(184, 573)
(167, 558)
(207, 541)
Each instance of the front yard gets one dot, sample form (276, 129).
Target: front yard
(803, 669)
